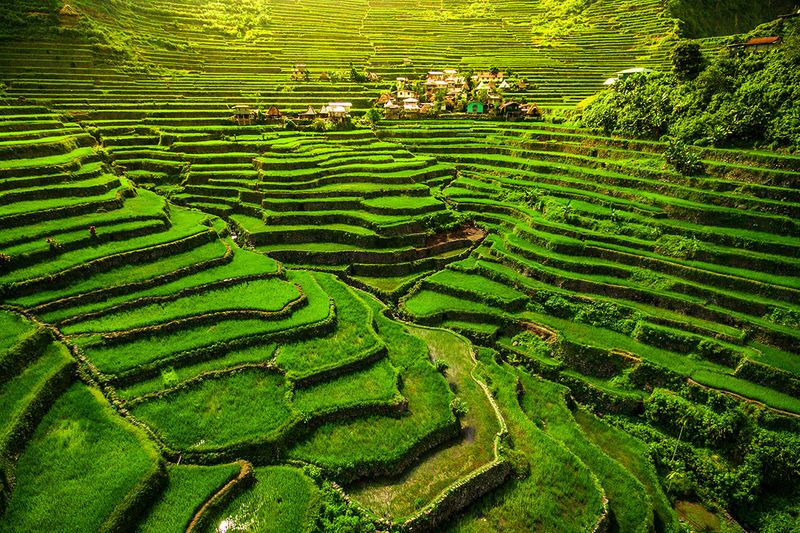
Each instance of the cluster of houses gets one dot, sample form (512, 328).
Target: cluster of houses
(441, 90)
(335, 112)
(456, 91)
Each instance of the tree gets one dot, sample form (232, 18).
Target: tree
(688, 60)
(356, 76)
(372, 116)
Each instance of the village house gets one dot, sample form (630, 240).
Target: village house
(391, 110)
(404, 93)
(531, 111)
(411, 106)
(339, 111)
(447, 80)
(308, 114)
(475, 108)
(383, 98)
(510, 111)
(274, 114)
(242, 114)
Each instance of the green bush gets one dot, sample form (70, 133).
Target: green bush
(683, 159)
(687, 60)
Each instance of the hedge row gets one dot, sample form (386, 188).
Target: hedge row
(593, 361)
(768, 376)
(680, 342)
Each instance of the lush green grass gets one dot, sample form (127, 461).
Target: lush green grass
(339, 446)
(282, 499)
(558, 492)
(18, 393)
(81, 463)
(219, 412)
(129, 355)
(742, 387)
(403, 495)
(633, 455)
(171, 376)
(189, 486)
(267, 296)
(353, 338)
(244, 264)
(122, 275)
(12, 327)
(543, 402)
(375, 384)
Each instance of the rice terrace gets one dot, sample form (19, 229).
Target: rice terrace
(383, 265)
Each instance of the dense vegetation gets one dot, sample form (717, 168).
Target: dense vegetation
(707, 18)
(454, 323)
(735, 98)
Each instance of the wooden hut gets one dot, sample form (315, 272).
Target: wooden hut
(391, 110)
(242, 114)
(339, 111)
(510, 111)
(273, 113)
(308, 114)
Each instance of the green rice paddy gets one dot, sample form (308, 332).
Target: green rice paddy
(447, 323)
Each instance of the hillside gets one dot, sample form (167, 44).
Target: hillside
(710, 18)
(472, 318)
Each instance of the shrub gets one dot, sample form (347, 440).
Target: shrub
(677, 246)
(684, 159)
(688, 60)
(459, 407)
(319, 125)
(441, 365)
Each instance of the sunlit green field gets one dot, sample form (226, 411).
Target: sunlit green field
(589, 321)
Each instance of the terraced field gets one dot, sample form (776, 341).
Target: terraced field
(463, 325)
